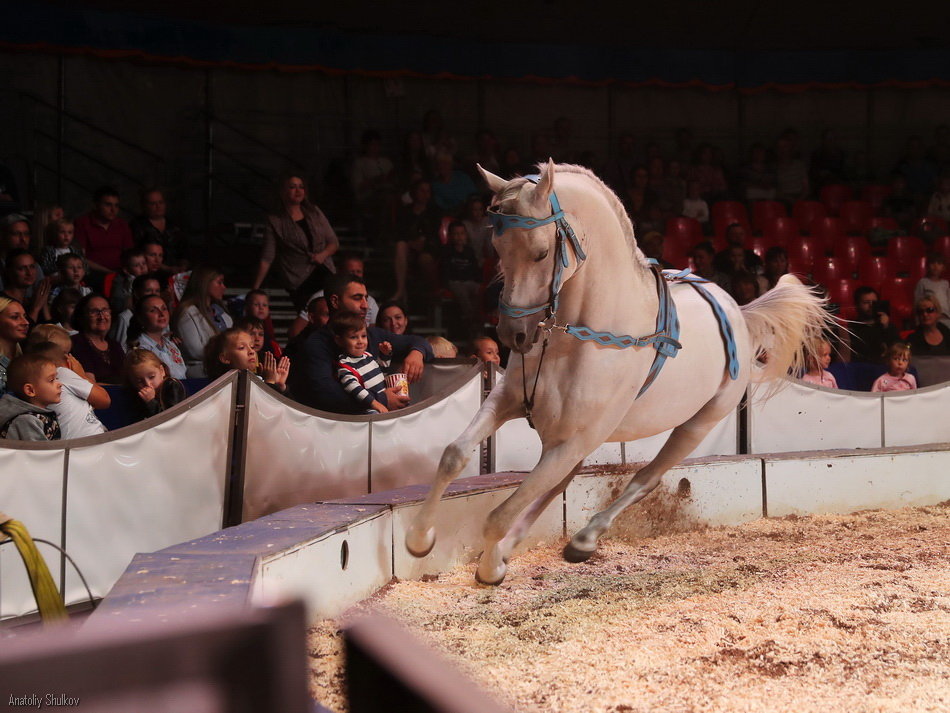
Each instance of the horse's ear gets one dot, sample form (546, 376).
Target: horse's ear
(495, 183)
(545, 183)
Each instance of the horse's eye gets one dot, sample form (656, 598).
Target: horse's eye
(540, 257)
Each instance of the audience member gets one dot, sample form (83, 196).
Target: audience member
(435, 139)
(300, 240)
(233, 349)
(58, 241)
(618, 173)
(14, 327)
(703, 257)
(816, 366)
(776, 265)
(257, 305)
(372, 180)
(148, 377)
(361, 376)
(931, 338)
(485, 349)
(694, 206)
(757, 176)
(16, 236)
(255, 328)
(133, 265)
(736, 256)
(392, 318)
(350, 263)
(871, 331)
(639, 196)
(442, 348)
(415, 165)
(791, 175)
(651, 245)
(450, 187)
(417, 244)
(896, 378)
(71, 273)
(744, 287)
(142, 286)
(199, 316)
(939, 205)
(479, 229)
(63, 306)
(42, 218)
(318, 315)
(20, 282)
(936, 287)
(102, 234)
(154, 226)
(314, 381)
(32, 387)
(150, 331)
(98, 353)
(80, 394)
(461, 272)
(712, 181)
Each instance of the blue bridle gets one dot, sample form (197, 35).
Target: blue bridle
(565, 236)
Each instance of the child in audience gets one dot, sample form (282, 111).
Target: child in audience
(80, 394)
(142, 286)
(257, 305)
(32, 387)
(486, 349)
(442, 348)
(71, 271)
(359, 373)
(255, 327)
(896, 378)
(234, 349)
(816, 366)
(133, 265)
(150, 331)
(59, 241)
(935, 287)
(148, 377)
(461, 271)
(63, 306)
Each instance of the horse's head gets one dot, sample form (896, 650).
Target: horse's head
(531, 237)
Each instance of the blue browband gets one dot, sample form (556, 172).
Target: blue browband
(664, 339)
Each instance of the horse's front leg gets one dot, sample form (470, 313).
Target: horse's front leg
(499, 407)
(682, 441)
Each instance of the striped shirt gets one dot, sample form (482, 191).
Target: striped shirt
(362, 378)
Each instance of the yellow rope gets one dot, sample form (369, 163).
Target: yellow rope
(48, 599)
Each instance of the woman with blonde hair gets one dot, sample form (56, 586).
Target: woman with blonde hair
(14, 327)
(200, 315)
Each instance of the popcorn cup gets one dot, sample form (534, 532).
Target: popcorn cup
(398, 382)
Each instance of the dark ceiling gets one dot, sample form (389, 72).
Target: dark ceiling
(679, 24)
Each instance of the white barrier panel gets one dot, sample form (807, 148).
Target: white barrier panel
(147, 491)
(295, 457)
(406, 448)
(803, 417)
(916, 417)
(846, 483)
(517, 446)
(31, 491)
(722, 440)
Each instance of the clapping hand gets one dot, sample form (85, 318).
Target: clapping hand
(385, 348)
(276, 372)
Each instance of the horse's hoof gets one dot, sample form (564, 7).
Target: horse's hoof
(492, 580)
(420, 544)
(575, 554)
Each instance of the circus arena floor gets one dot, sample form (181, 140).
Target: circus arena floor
(824, 613)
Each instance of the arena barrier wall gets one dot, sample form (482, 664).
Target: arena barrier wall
(104, 498)
(337, 553)
(316, 456)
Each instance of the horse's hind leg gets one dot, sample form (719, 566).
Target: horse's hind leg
(498, 408)
(678, 446)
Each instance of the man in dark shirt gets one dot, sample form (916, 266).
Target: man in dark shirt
(313, 375)
(871, 330)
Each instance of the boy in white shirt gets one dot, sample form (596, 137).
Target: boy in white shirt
(80, 395)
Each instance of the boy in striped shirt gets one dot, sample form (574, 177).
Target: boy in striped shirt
(359, 373)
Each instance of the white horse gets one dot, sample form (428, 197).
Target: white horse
(579, 384)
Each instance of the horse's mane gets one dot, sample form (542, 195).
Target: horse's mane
(619, 211)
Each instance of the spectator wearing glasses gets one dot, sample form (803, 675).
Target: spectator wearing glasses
(99, 354)
(931, 338)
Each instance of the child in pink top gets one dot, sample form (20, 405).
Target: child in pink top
(817, 366)
(896, 378)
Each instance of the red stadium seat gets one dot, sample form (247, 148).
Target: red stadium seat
(930, 224)
(917, 270)
(759, 244)
(782, 230)
(799, 267)
(856, 216)
(730, 209)
(841, 291)
(826, 270)
(942, 246)
(882, 222)
(834, 195)
(905, 249)
(688, 229)
(806, 211)
(805, 251)
(829, 229)
(875, 271)
(765, 211)
(852, 249)
(899, 291)
(676, 253)
(876, 194)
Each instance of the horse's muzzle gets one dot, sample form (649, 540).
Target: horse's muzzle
(520, 334)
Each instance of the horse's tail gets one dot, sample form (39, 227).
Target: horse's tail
(784, 325)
